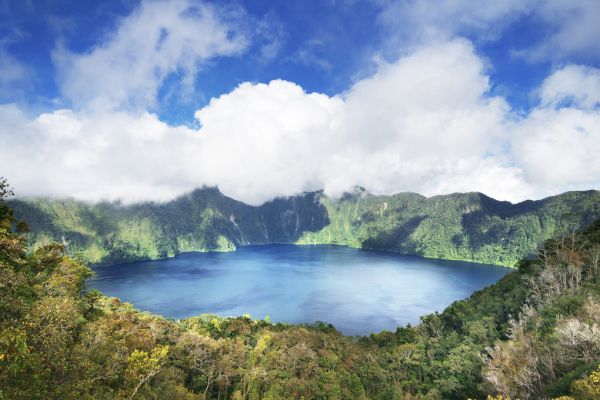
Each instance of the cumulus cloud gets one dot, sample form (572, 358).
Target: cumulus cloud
(425, 123)
(558, 148)
(268, 140)
(418, 119)
(415, 125)
(157, 39)
(94, 156)
(557, 143)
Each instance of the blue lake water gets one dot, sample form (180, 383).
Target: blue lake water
(358, 291)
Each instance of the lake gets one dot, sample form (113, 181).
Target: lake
(358, 291)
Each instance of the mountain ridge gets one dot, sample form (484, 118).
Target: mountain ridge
(463, 226)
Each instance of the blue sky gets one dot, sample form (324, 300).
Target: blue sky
(323, 46)
(320, 45)
(87, 69)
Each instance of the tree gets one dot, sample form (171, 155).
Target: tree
(587, 388)
(141, 366)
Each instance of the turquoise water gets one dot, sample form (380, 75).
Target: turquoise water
(358, 291)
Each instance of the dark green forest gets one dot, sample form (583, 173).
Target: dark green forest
(460, 226)
(534, 334)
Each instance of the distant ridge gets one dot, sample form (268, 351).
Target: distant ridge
(461, 226)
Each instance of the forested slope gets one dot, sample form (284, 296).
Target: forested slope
(534, 334)
(463, 226)
(200, 221)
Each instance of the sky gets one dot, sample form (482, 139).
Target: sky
(146, 100)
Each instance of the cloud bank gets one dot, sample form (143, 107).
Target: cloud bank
(426, 123)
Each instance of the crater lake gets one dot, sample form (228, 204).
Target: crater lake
(358, 291)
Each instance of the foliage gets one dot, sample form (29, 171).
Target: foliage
(469, 226)
(204, 220)
(558, 331)
(460, 226)
(587, 388)
(533, 334)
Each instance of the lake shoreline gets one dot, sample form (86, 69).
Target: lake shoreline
(359, 291)
(390, 251)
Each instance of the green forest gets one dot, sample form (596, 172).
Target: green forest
(460, 226)
(534, 334)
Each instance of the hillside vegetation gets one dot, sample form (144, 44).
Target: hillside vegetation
(460, 226)
(534, 334)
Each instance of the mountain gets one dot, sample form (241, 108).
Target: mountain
(461, 226)
(203, 220)
(532, 335)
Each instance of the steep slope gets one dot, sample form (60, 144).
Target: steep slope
(463, 226)
(203, 220)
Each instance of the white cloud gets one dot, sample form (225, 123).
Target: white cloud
(425, 123)
(573, 27)
(419, 118)
(157, 39)
(570, 27)
(558, 142)
(558, 148)
(412, 126)
(578, 85)
(423, 20)
(261, 141)
(94, 156)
